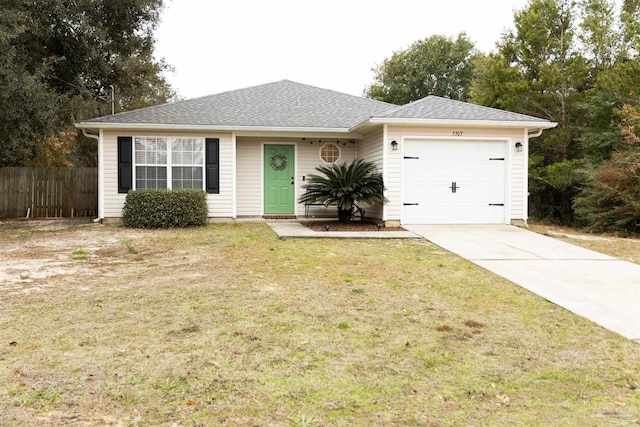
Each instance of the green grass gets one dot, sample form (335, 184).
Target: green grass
(627, 249)
(79, 254)
(229, 325)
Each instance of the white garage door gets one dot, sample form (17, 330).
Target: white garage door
(453, 182)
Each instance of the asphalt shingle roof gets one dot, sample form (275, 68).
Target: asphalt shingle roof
(287, 104)
(280, 104)
(437, 108)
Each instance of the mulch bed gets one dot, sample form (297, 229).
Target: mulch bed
(354, 226)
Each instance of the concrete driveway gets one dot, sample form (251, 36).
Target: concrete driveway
(603, 289)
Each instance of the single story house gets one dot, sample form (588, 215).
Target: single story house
(251, 149)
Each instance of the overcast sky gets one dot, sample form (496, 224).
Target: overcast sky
(221, 45)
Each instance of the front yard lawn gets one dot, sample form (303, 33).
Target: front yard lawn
(228, 325)
(627, 249)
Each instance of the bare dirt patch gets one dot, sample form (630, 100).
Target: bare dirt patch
(35, 252)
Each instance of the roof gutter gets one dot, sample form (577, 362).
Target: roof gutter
(345, 132)
(90, 135)
(535, 133)
(157, 126)
(450, 122)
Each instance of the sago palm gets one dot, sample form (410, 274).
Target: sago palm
(344, 186)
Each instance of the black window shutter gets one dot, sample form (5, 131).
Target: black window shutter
(212, 154)
(125, 164)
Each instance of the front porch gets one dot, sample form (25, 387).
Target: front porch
(262, 191)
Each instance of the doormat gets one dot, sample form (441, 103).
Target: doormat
(280, 216)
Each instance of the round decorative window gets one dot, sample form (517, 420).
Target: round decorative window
(330, 153)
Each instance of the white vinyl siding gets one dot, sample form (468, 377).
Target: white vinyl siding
(308, 160)
(220, 205)
(518, 191)
(370, 149)
(248, 177)
(113, 201)
(248, 180)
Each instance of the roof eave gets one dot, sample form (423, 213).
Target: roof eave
(451, 122)
(217, 128)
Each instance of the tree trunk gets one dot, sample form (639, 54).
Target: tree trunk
(344, 216)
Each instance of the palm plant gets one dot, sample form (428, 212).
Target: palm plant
(345, 185)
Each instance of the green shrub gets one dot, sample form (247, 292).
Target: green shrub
(345, 185)
(165, 209)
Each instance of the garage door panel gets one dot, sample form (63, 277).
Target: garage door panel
(431, 168)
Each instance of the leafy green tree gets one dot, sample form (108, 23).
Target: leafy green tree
(610, 201)
(630, 20)
(597, 33)
(344, 186)
(615, 79)
(613, 88)
(573, 65)
(539, 70)
(59, 59)
(437, 65)
(28, 109)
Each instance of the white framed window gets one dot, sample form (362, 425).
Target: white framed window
(150, 163)
(168, 163)
(330, 153)
(187, 155)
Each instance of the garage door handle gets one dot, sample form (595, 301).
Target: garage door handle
(411, 204)
(411, 158)
(496, 158)
(496, 204)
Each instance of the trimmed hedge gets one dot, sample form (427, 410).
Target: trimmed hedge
(165, 208)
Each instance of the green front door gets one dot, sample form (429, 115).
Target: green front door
(279, 180)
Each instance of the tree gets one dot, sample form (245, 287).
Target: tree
(610, 201)
(344, 186)
(437, 65)
(539, 70)
(615, 84)
(630, 20)
(28, 110)
(613, 88)
(58, 59)
(577, 69)
(542, 58)
(599, 38)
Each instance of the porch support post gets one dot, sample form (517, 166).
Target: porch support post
(384, 167)
(525, 160)
(101, 175)
(234, 187)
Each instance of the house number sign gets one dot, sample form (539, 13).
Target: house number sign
(457, 133)
(278, 162)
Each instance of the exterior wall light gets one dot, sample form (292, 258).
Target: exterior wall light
(518, 147)
(394, 145)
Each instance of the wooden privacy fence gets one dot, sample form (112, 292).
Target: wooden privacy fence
(48, 192)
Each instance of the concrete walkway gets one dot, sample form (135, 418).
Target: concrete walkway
(603, 289)
(295, 229)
